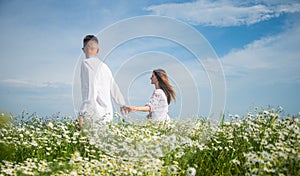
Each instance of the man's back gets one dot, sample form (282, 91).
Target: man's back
(96, 79)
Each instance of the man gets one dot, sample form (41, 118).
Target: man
(97, 86)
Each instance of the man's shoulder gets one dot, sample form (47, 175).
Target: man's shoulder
(95, 62)
(101, 66)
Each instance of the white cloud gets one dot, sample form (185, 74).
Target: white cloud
(32, 84)
(275, 59)
(45, 97)
(225, 12)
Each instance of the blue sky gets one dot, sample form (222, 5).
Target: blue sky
(257, 44)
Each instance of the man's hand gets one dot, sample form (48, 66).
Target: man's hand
(80, 122)
(124, 110)
(128, 109)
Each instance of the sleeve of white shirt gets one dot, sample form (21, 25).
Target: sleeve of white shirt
(87, 75)
(116, 93)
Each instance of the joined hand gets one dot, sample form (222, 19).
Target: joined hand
(127, 109)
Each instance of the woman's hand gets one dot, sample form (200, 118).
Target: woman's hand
(130, 109)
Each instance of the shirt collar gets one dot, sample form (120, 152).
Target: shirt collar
(90, 57)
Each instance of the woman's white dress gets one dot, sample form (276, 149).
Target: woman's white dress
(158, 106)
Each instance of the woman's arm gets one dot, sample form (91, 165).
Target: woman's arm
(137, 108)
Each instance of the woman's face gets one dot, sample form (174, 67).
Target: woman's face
(153, 79)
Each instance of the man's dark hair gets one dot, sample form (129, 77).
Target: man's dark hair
(88, 38)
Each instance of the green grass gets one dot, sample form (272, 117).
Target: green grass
(261, 144)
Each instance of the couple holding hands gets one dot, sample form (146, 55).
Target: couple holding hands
(98, 87)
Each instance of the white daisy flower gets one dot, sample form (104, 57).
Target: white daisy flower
(191, 171)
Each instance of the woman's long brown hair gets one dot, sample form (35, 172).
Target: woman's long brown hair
(164, 84)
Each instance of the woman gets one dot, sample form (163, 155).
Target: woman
(163, 95)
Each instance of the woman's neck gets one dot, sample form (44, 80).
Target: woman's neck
(157, 86)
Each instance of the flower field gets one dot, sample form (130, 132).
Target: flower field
(262, 143)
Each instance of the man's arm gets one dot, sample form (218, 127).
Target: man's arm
(117, 94)
(115, 91)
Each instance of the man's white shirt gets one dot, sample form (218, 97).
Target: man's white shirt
(98, 87)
